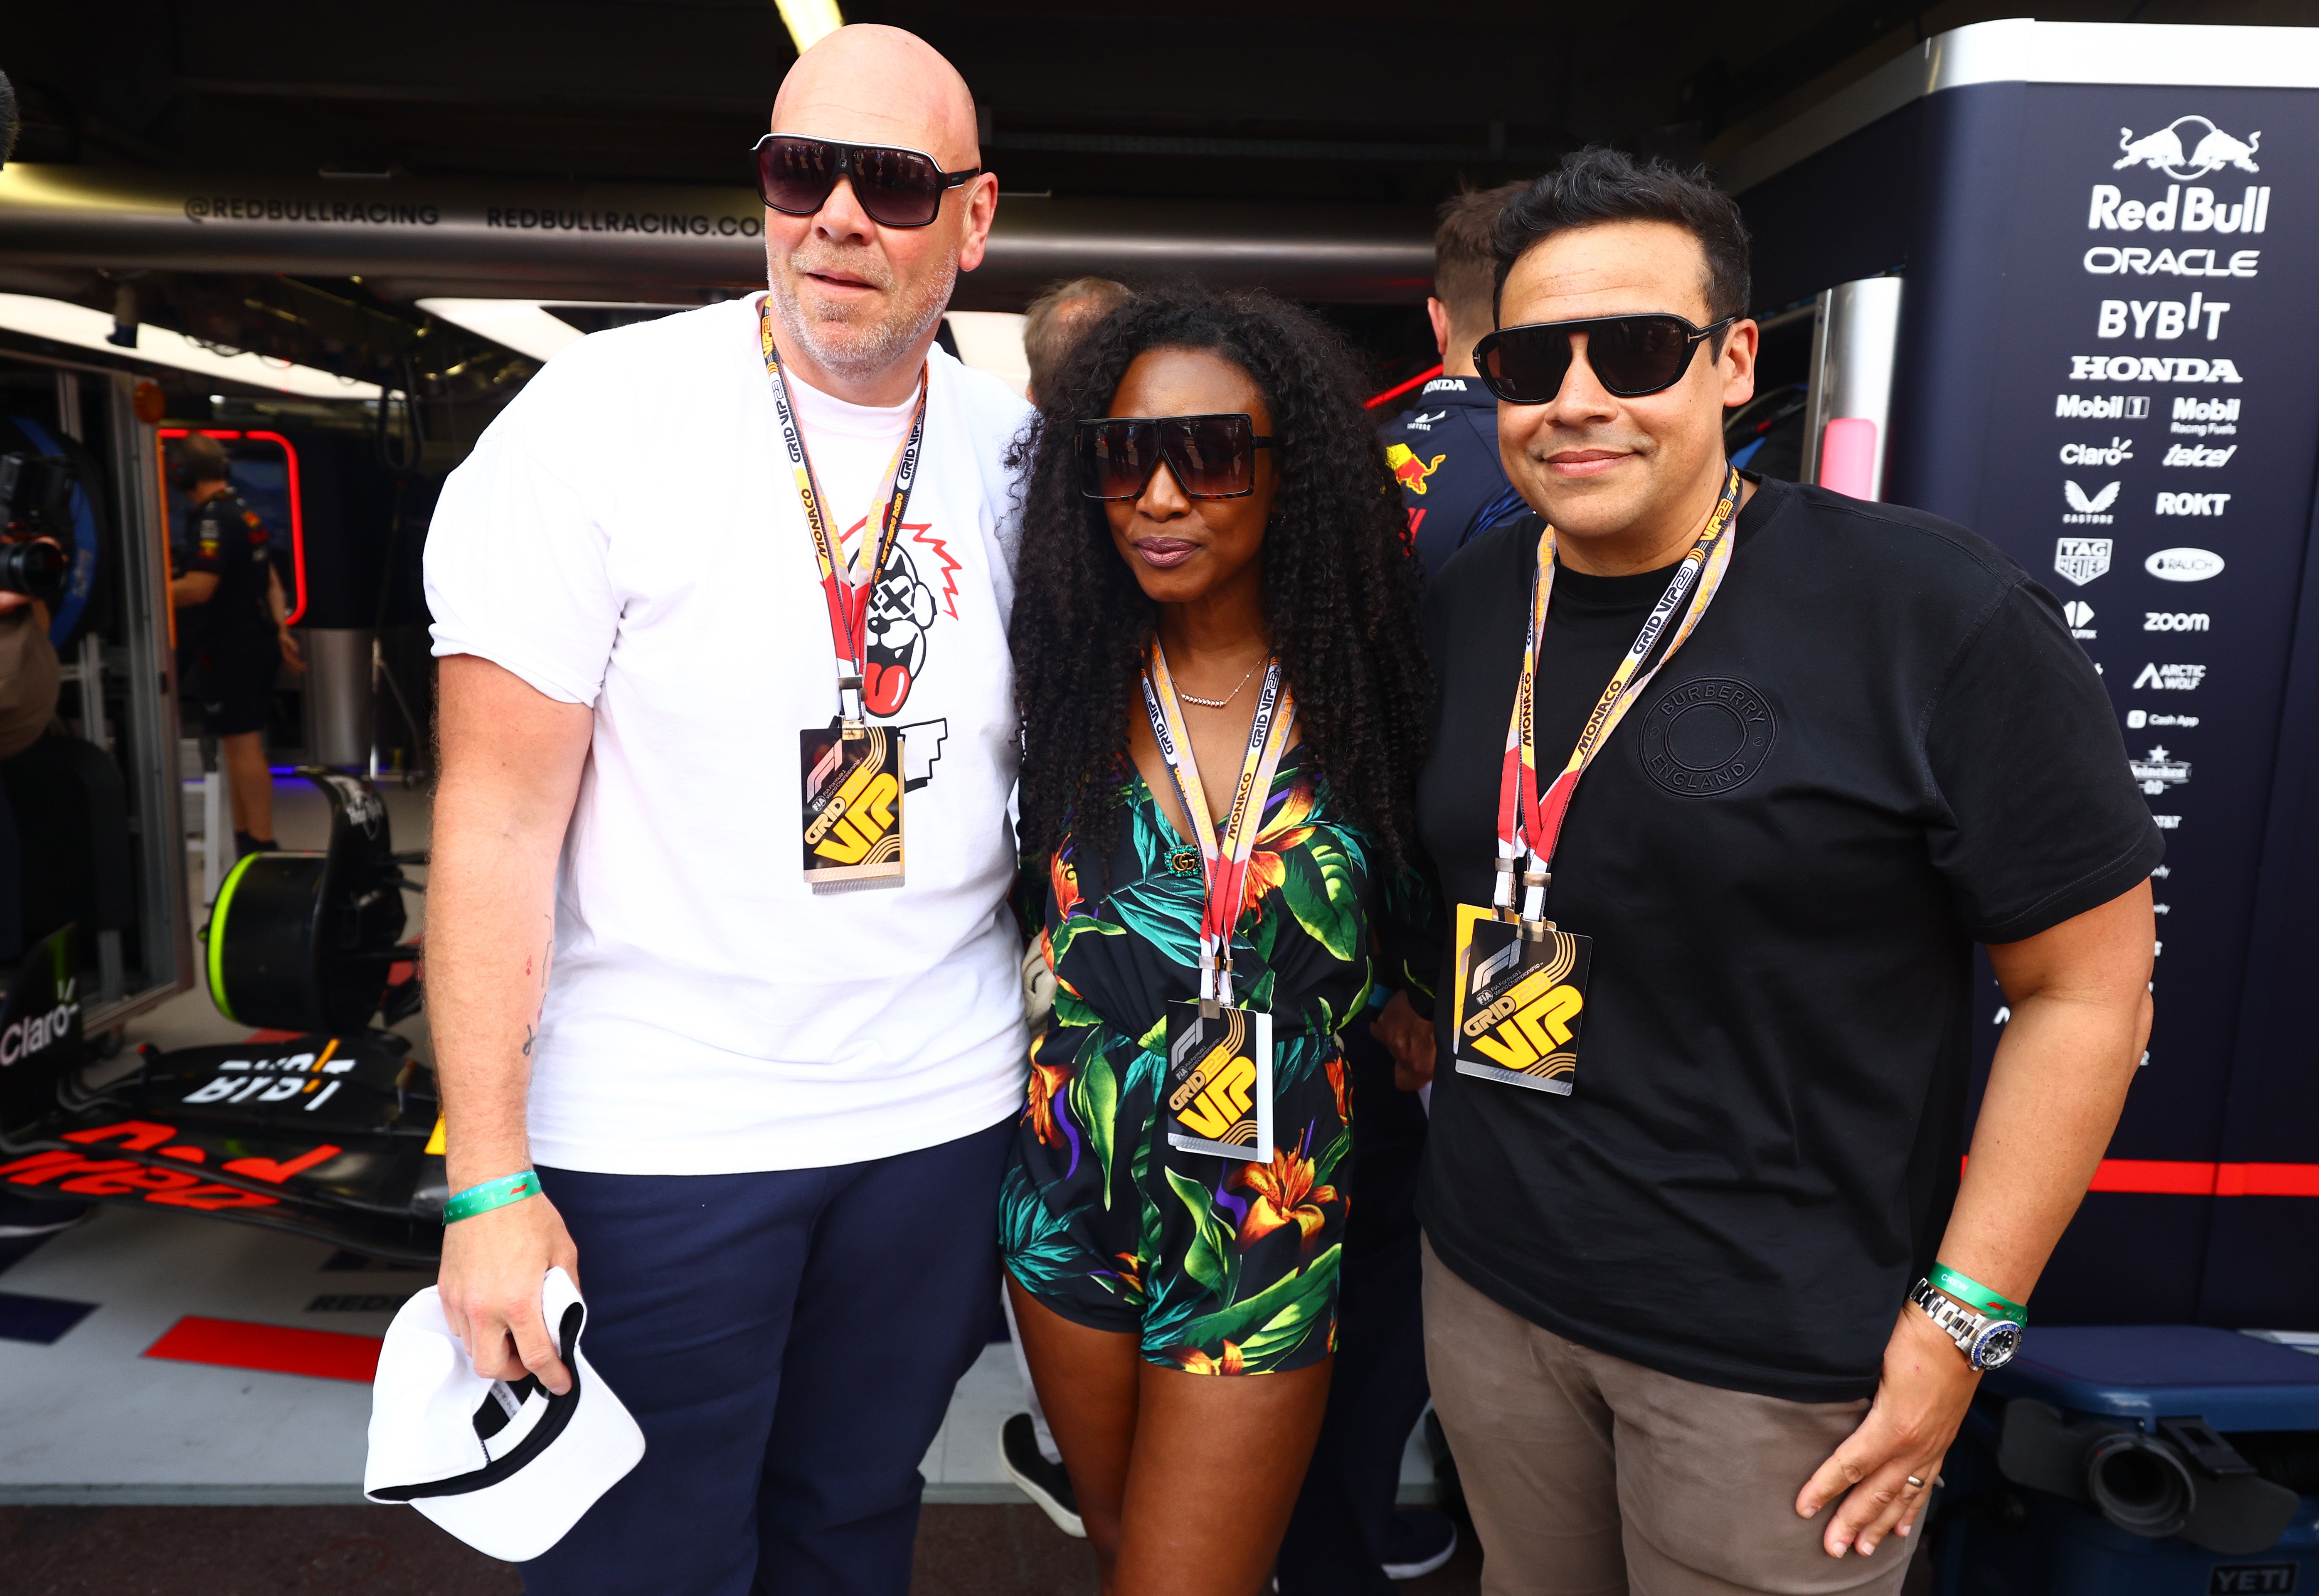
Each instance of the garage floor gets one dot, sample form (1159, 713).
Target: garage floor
(110, 1437)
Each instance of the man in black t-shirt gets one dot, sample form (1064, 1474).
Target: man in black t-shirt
(1720, 1274)
(1444, 448)
(233, 634)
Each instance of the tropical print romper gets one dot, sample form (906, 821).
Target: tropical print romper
(1219, 1266)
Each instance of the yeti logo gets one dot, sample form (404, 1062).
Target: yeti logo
(901, 608)
(2163, 150)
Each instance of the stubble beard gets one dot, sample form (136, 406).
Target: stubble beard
(845, 342)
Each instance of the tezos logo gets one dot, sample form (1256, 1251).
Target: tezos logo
(2089, 509)
(2174, 620)
(2081, 559)
(2117, 452)
(2184, 565)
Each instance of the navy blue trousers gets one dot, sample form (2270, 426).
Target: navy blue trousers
(1335, 1542)
(789, 1342)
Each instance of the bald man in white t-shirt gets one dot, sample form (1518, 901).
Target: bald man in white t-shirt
(761, 1055)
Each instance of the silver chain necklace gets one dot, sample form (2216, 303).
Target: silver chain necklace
(1216, 703)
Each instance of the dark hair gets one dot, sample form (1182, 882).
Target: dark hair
(200, 456)
(1339, 585)
(1062, 312)
(1464, 258)
(1595, 185)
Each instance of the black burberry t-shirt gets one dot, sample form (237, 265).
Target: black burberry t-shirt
(1880, 746)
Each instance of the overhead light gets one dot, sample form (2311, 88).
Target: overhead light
(809, 22)
(517, 324)
(63, 323)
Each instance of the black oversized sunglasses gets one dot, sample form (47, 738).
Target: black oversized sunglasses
(1631, 356)
(1212, 457)
(896, 187)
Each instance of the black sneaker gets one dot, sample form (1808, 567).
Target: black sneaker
(1047, 1484)
(1418, 1541)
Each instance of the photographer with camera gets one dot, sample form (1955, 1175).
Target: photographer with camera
(233, 631)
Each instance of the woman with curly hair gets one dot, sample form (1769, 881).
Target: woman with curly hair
(1223, 694)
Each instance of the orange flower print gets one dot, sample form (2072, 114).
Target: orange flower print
(1335, 1066)
(1268, 864)
(1047, 1080)
(1196, 1362)
(1285, 1195)
(1063, 882)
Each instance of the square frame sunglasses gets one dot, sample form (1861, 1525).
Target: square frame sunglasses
(894, 185)
(1212, 457)
(1630, 355)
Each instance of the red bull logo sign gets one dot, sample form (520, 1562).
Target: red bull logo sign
(1408, 470)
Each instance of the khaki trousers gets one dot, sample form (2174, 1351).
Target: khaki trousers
(1589, 1476)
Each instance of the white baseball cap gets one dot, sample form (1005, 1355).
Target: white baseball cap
(507, 1467)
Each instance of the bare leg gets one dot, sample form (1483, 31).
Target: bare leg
(249, 783)
(1186, 1480)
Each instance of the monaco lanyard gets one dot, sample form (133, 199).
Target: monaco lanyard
(848, 599)
(1225, 854)
(1529, 822)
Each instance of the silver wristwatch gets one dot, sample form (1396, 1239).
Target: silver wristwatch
(1987, 1343)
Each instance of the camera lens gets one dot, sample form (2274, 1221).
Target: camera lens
(2140, 1485)
(36, 570)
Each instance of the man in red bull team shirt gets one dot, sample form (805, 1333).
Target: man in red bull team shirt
(1444, 448)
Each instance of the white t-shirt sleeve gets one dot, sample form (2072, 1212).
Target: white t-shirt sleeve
(518, 562)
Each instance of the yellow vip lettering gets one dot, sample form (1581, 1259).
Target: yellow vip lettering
(862, 813)
(1224, 1102)
(1526, 1024)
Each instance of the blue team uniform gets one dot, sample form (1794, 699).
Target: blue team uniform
(1444, 454)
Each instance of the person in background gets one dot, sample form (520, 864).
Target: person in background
(233, 629)
(1705, 1300)
(1444, 448)
(1220, 692)
(1051, 324)
(717, 924)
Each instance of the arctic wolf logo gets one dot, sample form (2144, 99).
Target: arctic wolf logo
(2162, 151)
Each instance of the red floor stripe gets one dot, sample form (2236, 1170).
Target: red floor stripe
(2176, 1177)
(329, 1355)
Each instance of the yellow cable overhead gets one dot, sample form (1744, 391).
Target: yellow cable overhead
(809, 22)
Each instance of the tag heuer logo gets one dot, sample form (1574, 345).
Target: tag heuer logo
(2081, 559)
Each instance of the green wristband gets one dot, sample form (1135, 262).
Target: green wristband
(1965, 1289)
(491, 1194)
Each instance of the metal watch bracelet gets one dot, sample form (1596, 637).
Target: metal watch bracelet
(1987, 1343)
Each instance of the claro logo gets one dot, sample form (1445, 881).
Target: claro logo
(40, 1032)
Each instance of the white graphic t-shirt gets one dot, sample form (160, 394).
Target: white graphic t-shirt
(626, 535)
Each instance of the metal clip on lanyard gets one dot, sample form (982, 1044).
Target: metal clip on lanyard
(848, 599)
(1529, 822)
(1225, 855)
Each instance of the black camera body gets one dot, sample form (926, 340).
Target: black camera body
(32, 489)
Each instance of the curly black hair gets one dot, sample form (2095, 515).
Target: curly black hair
(1340, 587)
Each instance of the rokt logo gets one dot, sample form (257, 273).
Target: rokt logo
(2184, 565)
(2081, 559)
(2162, 151)
(2117, 452)
(2193, 504)
(2089, 510)
(2174, 620)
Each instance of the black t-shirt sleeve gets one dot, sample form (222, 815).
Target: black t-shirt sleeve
(205, 545)
(2038, 818)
